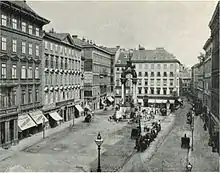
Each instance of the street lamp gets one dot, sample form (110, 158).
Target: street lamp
(99, 142)
(192, 128)
(43, 127)
(189, 167)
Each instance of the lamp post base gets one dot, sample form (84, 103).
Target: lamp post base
(99, 170)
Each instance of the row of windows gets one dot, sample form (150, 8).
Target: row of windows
(62, 49)
(25, 72)
(55, 79)
(15, 24)
(9, 98)
(158, 74)
(63, 63)
(157, 91)
(61, 96)
(152, 66)
(23, 46)
(100, 59)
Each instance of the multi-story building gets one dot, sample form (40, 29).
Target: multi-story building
(215, 75)
(158, 76)
(185, 81)
(61, 78)
(20, 61)
(195, 73)
(97, 72)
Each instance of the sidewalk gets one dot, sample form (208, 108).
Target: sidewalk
(36, 138)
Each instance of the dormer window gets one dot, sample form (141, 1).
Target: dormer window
(30, 29)
(14, 23)
(4, 20)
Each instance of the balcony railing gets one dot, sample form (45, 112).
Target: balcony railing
(8, 82)
(8, 110)
(30, 106)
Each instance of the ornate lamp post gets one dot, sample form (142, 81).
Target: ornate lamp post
(192, 128)
(43, 127)
(99, 142)
(189, 167)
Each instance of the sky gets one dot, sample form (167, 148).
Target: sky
(181, 27)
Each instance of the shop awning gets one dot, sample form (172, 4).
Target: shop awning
(38, 117)
(110, 99)
(55, 116)
(79, 108)
(87, 107)
(151, 100)
(25, 122)
(140, 100)
(171, 101)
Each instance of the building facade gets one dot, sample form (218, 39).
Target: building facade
(20, 61)
(61, 78)
(215, 75)
(185, 81)
(158, 76)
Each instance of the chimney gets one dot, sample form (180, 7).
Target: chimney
(52, 30)
(90, 41)
(83, 39)
(117, 47)
(75, 36)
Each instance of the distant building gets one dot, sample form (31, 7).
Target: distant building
(97, 72)
(61, 78)
(20, 74)
(185, 80)
(158, 76)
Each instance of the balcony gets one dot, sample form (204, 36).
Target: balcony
(30, 106)
(65, 102)
(9, 110)
(9, 82)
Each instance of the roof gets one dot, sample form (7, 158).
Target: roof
(123, 57)
(207, 43)
(24, 6)
(156, 55)
(215, 14)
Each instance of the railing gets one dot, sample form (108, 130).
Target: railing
(30, 106)
(8, 82)
(8, 110)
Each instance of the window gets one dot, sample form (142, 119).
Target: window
(152, 82)
(36, 73)
(146, 74)
(46, 45)
(56, 47)
(13, 97)
(14, 23)
(152, 90)
(145, 90)
(37, 32)
(23, 27)
(117, 69)
(117, 82)
(164, 91)
(23, 101)
(171, 82)
(23, 72)
(171, 66)
(158, 74)
(165, 74)
(56, 62)
(152, 66)
(145, 82)
(164, 82)
(146, 66)
(140, 66)
(171, 74)
(23, 49)
(30, 49)
(37, 50)
(165, 66)
(158, 91)
(30, 72)
(158, 66)
(14, 72)
(152, 74)
(51, 61)
(171, 90)
(30, 96)
(65, 50)
(3, 75)
(4, 20)
(30, 29)
(3, 43)
(37, 95)
(46, 61)
(158, 82)
(139, 90)
(14, 45)
(139, 74)
(61, 49)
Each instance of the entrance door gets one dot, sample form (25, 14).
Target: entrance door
(11, 129)
(2, 124)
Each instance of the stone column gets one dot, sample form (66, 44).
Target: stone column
(135, 93)
(122, 93)
(15, 131)
(7, 132)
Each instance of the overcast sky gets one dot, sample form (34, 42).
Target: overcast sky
(181, 27)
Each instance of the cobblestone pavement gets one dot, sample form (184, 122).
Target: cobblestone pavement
(68, 150)
(169, 156)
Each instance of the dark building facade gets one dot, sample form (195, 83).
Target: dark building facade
(215, 31)
(20, 62)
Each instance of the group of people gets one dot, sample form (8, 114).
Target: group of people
(143, 141)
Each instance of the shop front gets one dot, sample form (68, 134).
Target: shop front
(78, 111)
(110, 100)
(54, 119)
(39, 119)
(26, 126)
